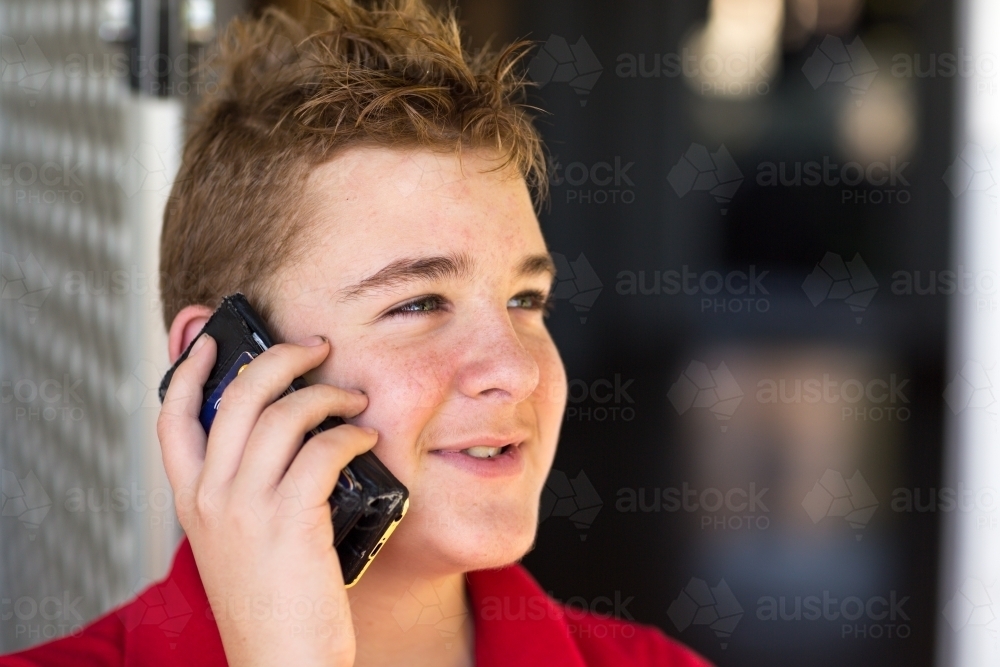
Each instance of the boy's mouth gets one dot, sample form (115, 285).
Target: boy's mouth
(488, 456)
(482, 452)
(484, 446)
(485, 461)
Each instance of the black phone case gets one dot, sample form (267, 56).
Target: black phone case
(368, 501)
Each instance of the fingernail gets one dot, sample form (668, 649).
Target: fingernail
(313, 341)
(358, 392)
(198, 344)
(369, 430)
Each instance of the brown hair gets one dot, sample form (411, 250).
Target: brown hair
(291, 93)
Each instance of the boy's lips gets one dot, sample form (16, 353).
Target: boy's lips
(508, 463)
(485, 456)
(498, 440)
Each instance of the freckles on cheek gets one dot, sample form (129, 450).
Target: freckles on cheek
(405, 393)
(406, 386)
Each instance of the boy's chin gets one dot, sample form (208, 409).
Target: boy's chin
(483, 545)
(498, 543)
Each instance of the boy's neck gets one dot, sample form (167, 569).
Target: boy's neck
(403, 618)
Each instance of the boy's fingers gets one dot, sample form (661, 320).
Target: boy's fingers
(182, 438)
(245, 399)
(282, 427)
(314, 472)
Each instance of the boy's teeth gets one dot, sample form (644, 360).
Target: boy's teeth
(483, 452)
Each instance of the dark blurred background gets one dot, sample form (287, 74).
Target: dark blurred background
(768, 125)
(753, 210)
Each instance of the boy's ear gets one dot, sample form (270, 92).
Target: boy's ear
(187, 324)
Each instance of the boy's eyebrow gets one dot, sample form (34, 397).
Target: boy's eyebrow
(413, 269)
(534, 265)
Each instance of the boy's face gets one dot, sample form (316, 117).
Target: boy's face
(428, 274)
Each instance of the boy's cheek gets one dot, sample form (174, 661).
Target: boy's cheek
(552, 387)
(400, 406)
(406, 380)
(551, 392)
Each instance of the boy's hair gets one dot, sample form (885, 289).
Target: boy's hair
(292, 92)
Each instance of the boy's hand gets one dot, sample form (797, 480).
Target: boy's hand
(254, 505)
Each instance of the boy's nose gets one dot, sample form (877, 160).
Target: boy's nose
(494, 360)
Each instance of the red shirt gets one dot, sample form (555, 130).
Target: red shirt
(170, 624)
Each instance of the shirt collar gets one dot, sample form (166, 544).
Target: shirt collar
(516, 623)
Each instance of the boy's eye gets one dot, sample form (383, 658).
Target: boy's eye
(424, 304)
(532, 300)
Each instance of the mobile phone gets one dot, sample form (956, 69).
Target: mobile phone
(367, 503)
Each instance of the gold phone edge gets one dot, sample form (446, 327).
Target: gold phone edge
(378, 546)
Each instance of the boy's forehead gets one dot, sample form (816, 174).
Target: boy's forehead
(387, 196)
(386, 174)
(370, 207)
